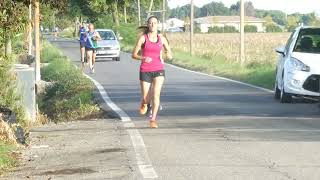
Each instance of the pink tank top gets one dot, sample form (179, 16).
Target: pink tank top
(152, 50)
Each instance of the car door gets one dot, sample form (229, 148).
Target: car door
(283, 58)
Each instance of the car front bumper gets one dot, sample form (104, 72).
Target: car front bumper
(302, 83)
(107, 53)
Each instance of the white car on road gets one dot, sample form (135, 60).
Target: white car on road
(298, 68)
(108, 46)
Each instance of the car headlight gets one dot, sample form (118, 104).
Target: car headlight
(298, 65)
(115, 48)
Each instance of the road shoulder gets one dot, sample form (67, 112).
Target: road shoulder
(88, 149)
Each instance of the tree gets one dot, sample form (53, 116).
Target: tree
(292, 22)
(273, 28)
(214, 9)
(13, 19)
(270, 25)
(249, 9)
(310, 19)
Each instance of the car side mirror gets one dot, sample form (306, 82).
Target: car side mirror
(120, 38)
(281, 51)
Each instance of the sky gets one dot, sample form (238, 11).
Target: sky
(288, 6)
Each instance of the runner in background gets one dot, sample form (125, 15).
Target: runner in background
(91, 44)
(82, 39)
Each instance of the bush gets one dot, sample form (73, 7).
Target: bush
(225, 29)
(69, 97)
(250, 28)
(68, 33)
(215, 29)
(230, 29)
(273, 28)
(49, 53)
(197, 29)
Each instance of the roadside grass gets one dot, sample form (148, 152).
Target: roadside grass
(257, 74)
(49, 52)
(220, 51)
(7, 159)
(69, 96)
(10, 100)
(67, 33)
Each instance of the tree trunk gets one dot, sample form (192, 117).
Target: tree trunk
(139, 13)
(37, 40)
(76, 27)
(115, 15)
(8, 48)
(150, 8)
(125, 14)
(29, 38)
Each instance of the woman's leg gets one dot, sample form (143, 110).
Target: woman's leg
(82, 53)
(94, 57)
(156, 91)
(145, 86)
(89, 58)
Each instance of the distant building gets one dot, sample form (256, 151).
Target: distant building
(172, 23)
(220, 21)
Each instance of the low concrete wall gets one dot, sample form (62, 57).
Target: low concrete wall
(26, 88)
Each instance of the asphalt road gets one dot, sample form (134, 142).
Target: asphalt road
(211, 128)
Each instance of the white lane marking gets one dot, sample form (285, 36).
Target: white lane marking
(219, 77)
(40, 146)
(265, 130)
(141, 153)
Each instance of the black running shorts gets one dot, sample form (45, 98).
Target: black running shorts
(82, 44)
(91, 49)
(149, 76)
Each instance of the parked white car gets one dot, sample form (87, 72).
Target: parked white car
(108, 46)
(298, 68)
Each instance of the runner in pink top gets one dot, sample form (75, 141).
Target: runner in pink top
(152, 67)
(153, 51)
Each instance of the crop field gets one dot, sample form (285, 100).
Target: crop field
(259, 47)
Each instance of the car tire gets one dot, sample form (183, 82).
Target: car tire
(285, 97)
(277, 92)
(116, 58)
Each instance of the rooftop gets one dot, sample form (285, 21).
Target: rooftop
(227, 19)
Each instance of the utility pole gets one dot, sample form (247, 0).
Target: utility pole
(242, 57)
(30, 29)
(139, 18)
(191, 29)
(150, 8)
(37, 40)
(163, 14)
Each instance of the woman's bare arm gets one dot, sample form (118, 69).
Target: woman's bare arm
(137, 48)
(166, 47)
(97, 35)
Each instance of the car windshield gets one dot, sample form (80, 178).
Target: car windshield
(308, 41)
(107, 35)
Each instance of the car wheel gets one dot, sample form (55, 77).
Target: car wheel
(285, 97)
(277, 92)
